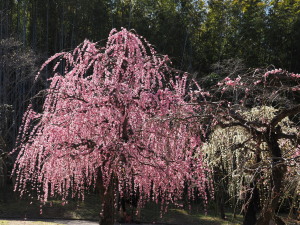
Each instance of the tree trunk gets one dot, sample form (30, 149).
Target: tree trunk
(219, 192)
(252, 204)
(221, 206)
(107, 214)
(3, 179)
(252, 198)
(24, 22)
(268, 214)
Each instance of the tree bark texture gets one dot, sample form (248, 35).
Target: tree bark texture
(268, 213)
(107, 196)
(219, 192)
(252, 205)
(3, 179)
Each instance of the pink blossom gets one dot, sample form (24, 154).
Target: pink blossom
(238, 79)
(295, 75)
(230, 83)
(116, 120)
(266, 74)
(205, 93)
(257, 82)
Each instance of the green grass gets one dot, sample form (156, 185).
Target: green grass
(30, 208)
(18, 208)
(73, 210)
(89, 210)
(151, 213)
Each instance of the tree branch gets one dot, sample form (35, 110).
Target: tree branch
(284, 113)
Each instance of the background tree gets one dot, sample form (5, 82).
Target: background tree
(250, 36)
(213, 33)
(16, 75)
(247, 164)
(262, 142)
(283, 33)
(206, 31)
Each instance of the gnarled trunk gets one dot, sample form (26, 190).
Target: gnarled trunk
(219, 192)
(252, 205)
(3, 180)
(252, 200)
(107, 196)
(268, 213)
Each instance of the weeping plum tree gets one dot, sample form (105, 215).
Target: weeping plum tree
(255, 139)
(247, 164)
(113, 117)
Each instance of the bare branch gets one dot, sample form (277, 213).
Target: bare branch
(287, 112)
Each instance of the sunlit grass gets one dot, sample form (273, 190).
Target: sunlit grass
(3, 222)
(151, 213)
(15, 222)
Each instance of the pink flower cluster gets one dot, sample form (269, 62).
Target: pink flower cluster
(229, 82)
(273, 72)
(295, 75)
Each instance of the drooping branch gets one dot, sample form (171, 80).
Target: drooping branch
(283, 114)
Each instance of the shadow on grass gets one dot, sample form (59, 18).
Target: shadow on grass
(151, 213)
(30, 209)
(90, 208)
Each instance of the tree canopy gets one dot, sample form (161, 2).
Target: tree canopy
(204, 32)
(114, 112)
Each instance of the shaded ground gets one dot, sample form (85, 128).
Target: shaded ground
(87, 212)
